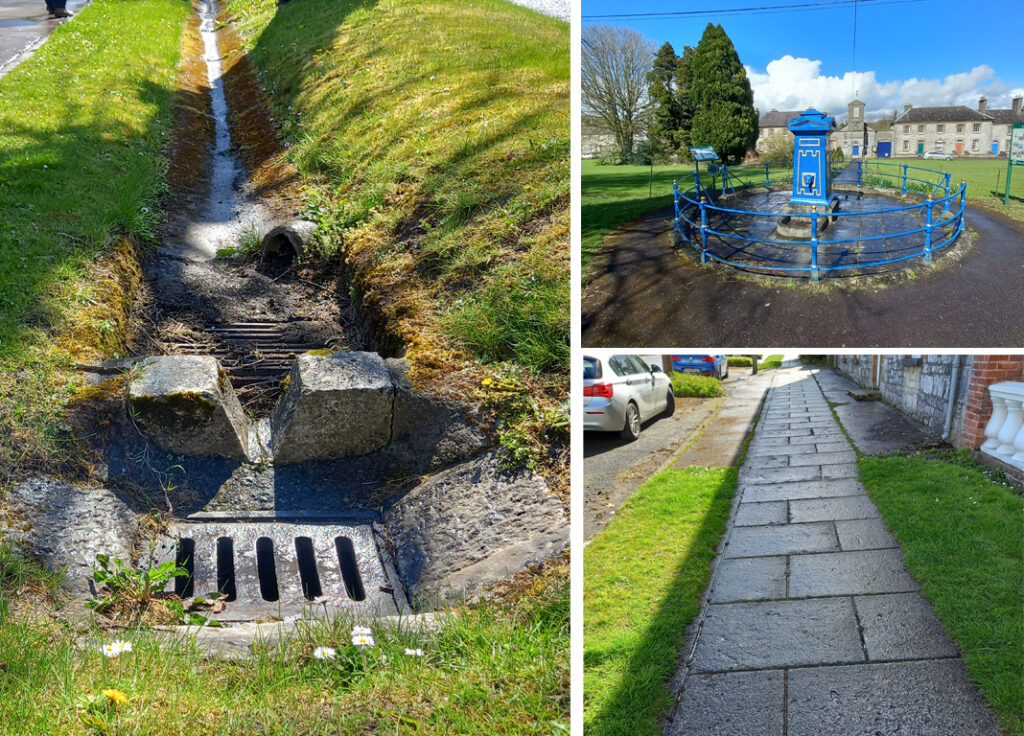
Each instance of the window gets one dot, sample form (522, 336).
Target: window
(974, 144)
(959, 127)
(940, 128)
(591, 369)
(639, 366)
(771, 131)
(920, 128)
(940, 145)
(906, 128)
(856, 113)
(977, 127)
(906, 145)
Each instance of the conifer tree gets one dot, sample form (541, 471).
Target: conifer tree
(666, 111)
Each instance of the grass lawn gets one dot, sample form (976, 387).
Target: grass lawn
(83, 125)
(433, 142)
(770, 363)
(986, 180)
(963, 535)
(497, 668)
(643, 577)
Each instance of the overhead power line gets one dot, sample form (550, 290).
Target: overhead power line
(754, 10)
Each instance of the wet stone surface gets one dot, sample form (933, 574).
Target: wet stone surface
(754, 541)
(750, 579)
(902, 626)
(843, 573)
(732, 704)
(864, 534)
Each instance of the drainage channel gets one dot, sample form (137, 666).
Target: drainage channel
(280, 569)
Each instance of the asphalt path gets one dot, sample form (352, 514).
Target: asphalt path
(641, 292)
(23, 28)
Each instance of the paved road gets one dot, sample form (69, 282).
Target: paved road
(812, 624)
(641, 292)
(23, 27)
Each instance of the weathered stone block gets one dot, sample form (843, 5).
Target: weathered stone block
(337, 405)
(184, 404)
(470, 526)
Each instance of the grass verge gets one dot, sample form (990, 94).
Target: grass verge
(643, 579)
(701, 387)
(770, 363)
(963, 537)
(496, 668)
(83, 126)
(433, 142)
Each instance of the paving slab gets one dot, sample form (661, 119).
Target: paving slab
(731, 704)
(902, 626)
(837, 446)
(761, 514)
(824, 458)
(760, 449)
(830, 509)
(750, 579)
(785, 432)
(783, 475)
(738, 636)
(843, 470)
(756, 492)
(877, 428)
(928, 698)
(762, 541)
(818, 436)
(864, 534)
(766, 462)
(849, 573)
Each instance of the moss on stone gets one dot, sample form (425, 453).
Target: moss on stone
(321, 352)
(185, 409)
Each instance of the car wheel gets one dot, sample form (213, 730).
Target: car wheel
(632, 428)
(726, 369)
(670, 404)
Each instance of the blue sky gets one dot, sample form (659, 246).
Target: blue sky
(938, 52)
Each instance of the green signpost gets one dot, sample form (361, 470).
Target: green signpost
(1016, 157)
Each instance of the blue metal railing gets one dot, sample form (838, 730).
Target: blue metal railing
(699, 197)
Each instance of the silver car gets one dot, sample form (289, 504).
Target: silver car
(621, 392)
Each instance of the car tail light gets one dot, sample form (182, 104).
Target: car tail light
(598, 389)
(707, 359)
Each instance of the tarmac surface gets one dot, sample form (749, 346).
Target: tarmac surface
(640, 291)
(24, 26)
(812, 624)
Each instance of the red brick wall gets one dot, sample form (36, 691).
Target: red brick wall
(986, 370)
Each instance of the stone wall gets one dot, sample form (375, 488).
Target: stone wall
(919, 386)
(859, 368)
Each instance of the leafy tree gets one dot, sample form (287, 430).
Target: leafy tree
(666, 112)
(613, 81)
(778, 147)
(723, 103)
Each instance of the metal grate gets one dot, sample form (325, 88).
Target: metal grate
(274, 569)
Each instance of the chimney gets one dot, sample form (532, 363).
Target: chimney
(982, 104)
(906, 108)
(1017, 104)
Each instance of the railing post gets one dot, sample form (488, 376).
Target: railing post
(814, 244)
(947, 185)
(703, 232)
(675, 197)
(904, 178)
(767, 181)
(927, 258)
(860, 173)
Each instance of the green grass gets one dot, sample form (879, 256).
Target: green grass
(643, 577)
(83, 124)
(689, 384)
(770, 363)
(963, 537)
(986, 180)
(433, 141)
(498, 668)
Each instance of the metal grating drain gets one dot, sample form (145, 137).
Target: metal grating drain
(275, 569)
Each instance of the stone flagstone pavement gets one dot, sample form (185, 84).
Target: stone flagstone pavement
(812, 625)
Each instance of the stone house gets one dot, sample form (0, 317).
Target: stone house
(1002, 121)
(972, 401)
(956, 129)
(859, 138)
(773, 123)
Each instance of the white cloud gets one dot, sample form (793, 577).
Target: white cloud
(796, 84)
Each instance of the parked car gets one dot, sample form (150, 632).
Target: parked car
(708, 365)
(939, 154)
(621, 392)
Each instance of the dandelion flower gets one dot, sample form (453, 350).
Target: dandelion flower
(362, 640)
(324, 653)
(413, 652)
(117, 696)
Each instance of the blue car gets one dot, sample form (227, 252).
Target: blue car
(707, 365)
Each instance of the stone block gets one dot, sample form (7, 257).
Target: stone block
(185, 404)
(864, 534)
(846, 573)
(761, 514)
(337, 405)
(784, 539)
(830, 509)
(902, 626)
(470, 526)
(750, 579)
(731, 704)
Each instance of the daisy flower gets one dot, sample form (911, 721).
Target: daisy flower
(324, 653)
(413, 652)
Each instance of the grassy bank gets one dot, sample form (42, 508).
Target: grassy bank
(433, 140)
(643, 578)
(83, 124)
(498, 668)
(986, 180)
(963, 536)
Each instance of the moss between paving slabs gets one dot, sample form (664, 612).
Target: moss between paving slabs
(643, 579)
(83, 124)
(963, 536)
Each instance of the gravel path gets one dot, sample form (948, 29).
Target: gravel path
(554, 8)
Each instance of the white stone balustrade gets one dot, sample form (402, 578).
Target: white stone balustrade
(1004, 433)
